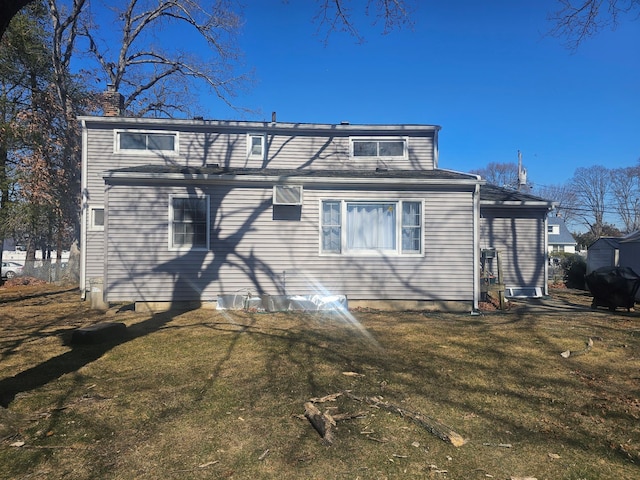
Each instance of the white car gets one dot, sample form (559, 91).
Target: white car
(11, 269)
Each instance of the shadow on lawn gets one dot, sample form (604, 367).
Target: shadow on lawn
(74, 359)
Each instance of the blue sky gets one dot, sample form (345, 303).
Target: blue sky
(486, 72)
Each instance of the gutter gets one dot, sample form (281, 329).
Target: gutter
(289, 128)
(126, 177)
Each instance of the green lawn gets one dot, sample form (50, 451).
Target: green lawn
(211, 394)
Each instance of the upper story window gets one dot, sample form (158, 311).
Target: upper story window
(363, 227)
(553, 229)
(379, 147)
(256, 145)
(137, 141)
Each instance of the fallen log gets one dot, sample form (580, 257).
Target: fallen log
(322, 422)
(440, 430)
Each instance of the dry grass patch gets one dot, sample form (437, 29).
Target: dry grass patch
(209, 394)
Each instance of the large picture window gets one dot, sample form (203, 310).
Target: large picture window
(355, 227)
(133, 141)
(189, 223)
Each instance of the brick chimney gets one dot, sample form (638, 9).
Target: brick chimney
(112, 102)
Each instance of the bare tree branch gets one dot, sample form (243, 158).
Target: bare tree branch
(337, 16)
(625, 183)
(577, 20)
(139, 69)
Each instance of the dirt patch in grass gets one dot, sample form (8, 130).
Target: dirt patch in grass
(211, 394)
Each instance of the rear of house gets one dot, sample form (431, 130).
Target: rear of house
(185, 211)
(188, 211)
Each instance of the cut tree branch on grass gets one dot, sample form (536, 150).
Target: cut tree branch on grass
(440, 430)
(324, 422)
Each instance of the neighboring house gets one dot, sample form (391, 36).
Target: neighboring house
(188, 210)
(604, 252)
(559, 238)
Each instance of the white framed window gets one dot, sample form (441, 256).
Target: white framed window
(140, 141)
(387, 147)
(96, 218)
(371, 227)
(256, 145)
(189, 222)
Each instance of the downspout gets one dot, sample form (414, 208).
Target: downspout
(83, 214)
(476, 247)
(546, 253)
(436, 151)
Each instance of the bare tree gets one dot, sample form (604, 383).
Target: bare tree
(564, 199)
(154, 77)
(592, 188)
(625, 183)
(577, 20)
(500, 174)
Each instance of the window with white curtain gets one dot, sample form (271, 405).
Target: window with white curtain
(360, 227)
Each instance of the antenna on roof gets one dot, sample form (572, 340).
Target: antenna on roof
(522, 173)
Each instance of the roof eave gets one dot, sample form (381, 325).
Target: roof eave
(516, 203)
(197, 124)
(278, 179)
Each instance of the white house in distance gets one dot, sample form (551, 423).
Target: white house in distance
(559, 238)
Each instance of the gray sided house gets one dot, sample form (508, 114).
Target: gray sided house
(181, 211)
